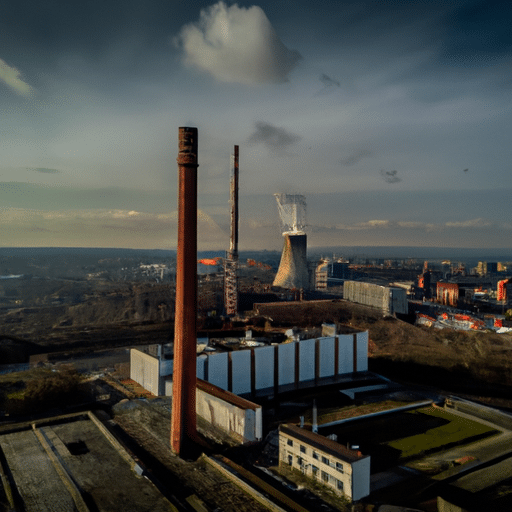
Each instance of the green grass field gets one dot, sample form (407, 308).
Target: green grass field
(455, 431)
(405, 436)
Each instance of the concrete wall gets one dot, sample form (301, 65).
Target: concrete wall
(286, 370)
(145, 370)
(346, 352)
(264, 360)
(388, 300)
(237, 417)
(360, 478)
(398, 301)
(361, 355)
(325, 358)
(240, 361)
(217, 370)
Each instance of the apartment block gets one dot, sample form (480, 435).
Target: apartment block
(345, 471)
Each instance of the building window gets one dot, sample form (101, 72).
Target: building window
(339, 467)
(290, 459)
(302, 449)
(339, 485)
(300, 461)
(315, 455)
(314, 469)
(325, 460)
(289, 442)
(325, 476)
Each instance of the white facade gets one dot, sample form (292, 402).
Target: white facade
(145, 369)
(388, 299)
(241, 419)
(344, 471)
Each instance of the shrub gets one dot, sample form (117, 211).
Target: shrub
(52, 390)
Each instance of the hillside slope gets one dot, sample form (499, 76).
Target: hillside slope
(469, 359)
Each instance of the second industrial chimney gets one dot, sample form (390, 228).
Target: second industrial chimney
(231, 262)
(293, 268)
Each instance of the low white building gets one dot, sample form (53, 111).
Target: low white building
(344, 471)
(388, 299)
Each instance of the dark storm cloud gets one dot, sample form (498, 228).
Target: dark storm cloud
(275, 139)
(328, 81)
(94, 42)
(354, 158)
(390, 176)
(89, 26)
(329, 84)
(477, 32)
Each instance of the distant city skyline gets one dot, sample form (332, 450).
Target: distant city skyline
(392, 119)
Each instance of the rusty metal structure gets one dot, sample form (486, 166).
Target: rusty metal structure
(231, 261)
(183, 420)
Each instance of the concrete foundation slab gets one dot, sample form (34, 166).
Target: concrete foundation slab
(72, 465)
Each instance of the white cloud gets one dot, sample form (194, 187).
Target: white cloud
(417, 226)
(373, 224)
(237, 44)
(21, 227)
(10, 76)
(473, 223)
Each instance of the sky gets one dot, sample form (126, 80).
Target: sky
(393, 118)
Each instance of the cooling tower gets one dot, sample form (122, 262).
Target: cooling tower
(293, 268)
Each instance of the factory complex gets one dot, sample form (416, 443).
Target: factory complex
(279, 411)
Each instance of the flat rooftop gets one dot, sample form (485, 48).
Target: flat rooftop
(73, 463)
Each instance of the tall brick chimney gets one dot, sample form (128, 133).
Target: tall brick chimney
(183, 419)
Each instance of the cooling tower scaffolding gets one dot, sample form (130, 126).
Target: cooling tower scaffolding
(293, 268)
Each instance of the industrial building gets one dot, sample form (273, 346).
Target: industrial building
(447, 293)
(260, 371)
(330, 273)
(504, 291)
(224, 378)
(485, 268)
(345, 471)
(389, 300)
